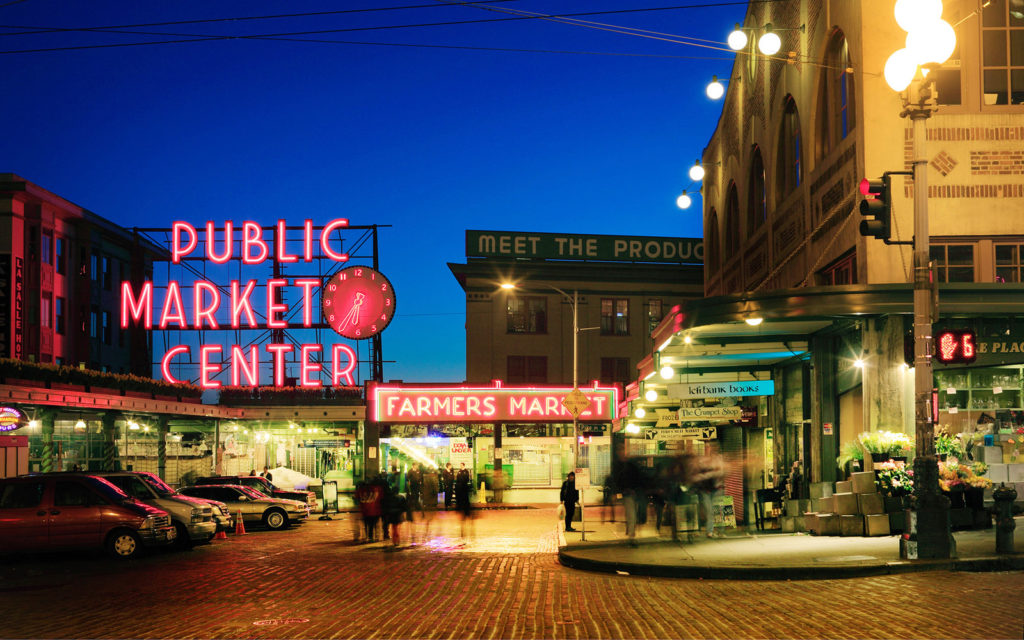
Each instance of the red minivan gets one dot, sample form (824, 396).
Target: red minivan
(45, 512)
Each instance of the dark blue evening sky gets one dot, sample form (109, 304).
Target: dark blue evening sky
(432, 141)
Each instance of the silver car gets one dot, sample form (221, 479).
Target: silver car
(255, 507)
(193, 519)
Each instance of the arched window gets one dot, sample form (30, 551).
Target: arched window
(836, 113)
(788, 169)
(712, 246)
(732, 223)
(757, 203)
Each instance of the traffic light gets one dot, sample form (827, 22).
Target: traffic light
(876, 207)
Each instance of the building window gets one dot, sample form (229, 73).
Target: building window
(105, 263)
(732, 223)
(527, 369)
(842, 271)
(788, 169)
(712, 244)
(614, 316)
(655, 312)
(953, 262)
(527, 315)
(836, 114)
(45, 312)
(94, 325)
(62, 255)
(106, 327)
(757, 204)
(1009, 262)
(1002, 52)
(60, 307)
(95, 267)
(615, 370)
(46, 248)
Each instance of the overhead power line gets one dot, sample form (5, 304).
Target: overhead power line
(481, 5)
(276, 16)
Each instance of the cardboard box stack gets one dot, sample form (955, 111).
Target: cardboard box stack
(854, 509)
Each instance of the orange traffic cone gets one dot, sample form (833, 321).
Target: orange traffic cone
(239, 524)
(220, 535)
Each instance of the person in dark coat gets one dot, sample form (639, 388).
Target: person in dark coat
(569, 495)
(448, 485)
(463, 485)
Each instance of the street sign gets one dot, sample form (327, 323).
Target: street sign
(582, 478)
(576, 402)
(684, 433)
(697, 414)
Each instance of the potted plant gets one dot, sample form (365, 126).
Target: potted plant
(947, 446)
(851, 454)
(875, 444)
(896, 483)
(899, 445)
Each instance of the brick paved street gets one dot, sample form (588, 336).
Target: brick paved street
(503, 581)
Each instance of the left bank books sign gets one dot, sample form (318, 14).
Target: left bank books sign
(411, 404)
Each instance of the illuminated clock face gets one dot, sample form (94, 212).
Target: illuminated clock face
(358, 302)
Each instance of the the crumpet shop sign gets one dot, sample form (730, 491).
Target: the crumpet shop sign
(685, 391)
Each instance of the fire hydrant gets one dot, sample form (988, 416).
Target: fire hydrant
(1004, 497)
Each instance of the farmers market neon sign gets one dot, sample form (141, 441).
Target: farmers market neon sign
(410, 404)
(237, 306)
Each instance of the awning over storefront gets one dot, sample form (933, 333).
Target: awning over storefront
(741, 338)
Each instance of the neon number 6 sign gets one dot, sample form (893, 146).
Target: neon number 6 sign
(358, 302)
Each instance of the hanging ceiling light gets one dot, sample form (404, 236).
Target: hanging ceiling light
(651, 395)
(667, 372)
(696, 172)
(684, 201)
(715, 88)
(770, 42)
(737, 39)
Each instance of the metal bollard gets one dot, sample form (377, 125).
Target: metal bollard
(1004, 497)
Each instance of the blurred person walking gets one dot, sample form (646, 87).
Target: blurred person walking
(448, 485)
(707, 479)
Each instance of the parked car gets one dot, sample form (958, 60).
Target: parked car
(53, 511)
(265, 486)
(192, 518)
(255, 507)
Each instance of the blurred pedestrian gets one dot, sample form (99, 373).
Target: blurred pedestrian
(569, 496)
(796, 481)
(463, 486)
(707, 479)
(428, 501)
(370, 498)
(413, 485)
(608, 500)
(266, 474)
(631, 483)
(448, 485)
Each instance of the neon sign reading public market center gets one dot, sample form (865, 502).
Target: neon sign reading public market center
(357, 302)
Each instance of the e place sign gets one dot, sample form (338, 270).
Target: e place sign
(686, 391)
(390, 404)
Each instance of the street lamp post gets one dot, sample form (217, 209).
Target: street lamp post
(574, 301)
(930, 42)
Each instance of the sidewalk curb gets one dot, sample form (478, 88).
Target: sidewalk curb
(790, 572)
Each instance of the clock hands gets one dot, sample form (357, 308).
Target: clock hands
(353, 313)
